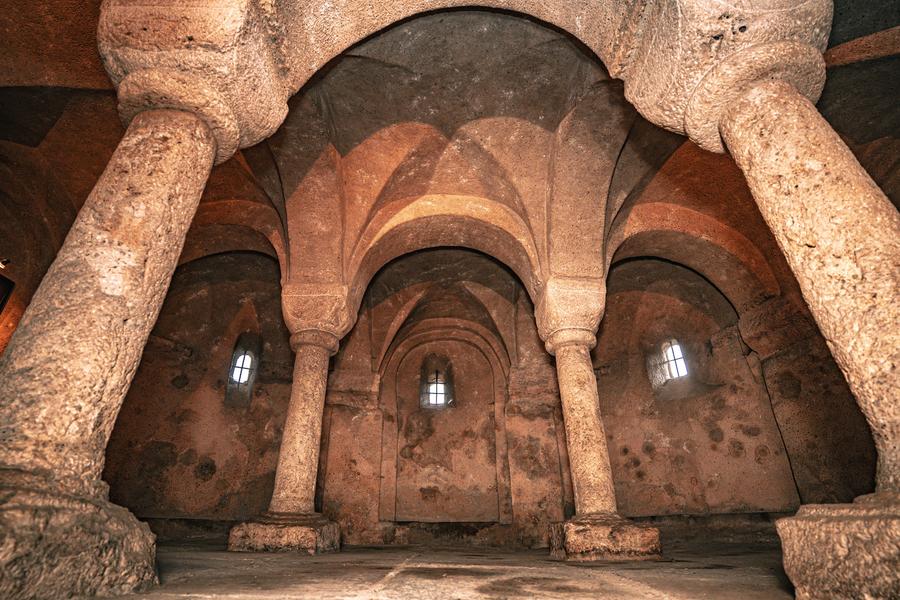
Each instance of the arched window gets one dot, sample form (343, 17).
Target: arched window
(243, 369)
(243, 366)
(436, 388)
(666, 363)
(673, 360)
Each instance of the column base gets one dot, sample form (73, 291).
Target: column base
(57, 546)
(278, 532)
(603, 537)
(843, 551)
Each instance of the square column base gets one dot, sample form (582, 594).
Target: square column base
(304, 533)
(843, 551)
(603, 537)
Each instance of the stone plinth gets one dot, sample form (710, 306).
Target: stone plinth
(603, 537)
(843, 551)
(310, 533)
(58, 546)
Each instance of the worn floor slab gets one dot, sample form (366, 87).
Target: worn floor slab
(720, 570)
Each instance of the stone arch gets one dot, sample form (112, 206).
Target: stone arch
(593, 24)
(723, 255)
(422, 333)
(252, 225)
(445, 220)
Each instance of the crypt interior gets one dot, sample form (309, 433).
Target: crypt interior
(427, 299)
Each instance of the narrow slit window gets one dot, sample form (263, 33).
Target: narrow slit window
(6, 288)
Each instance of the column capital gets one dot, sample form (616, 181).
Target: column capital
(315, 337)
(562, 338)
(317, 307)
(684, 62)
(569, 310)
(216, 59)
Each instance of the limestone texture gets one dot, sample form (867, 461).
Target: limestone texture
(66, 370)
(603, 538)
(298, 459)
(585, 435)
(309, 534)
(398, 185)
(841, 236)
(56, 546)
(844, 551)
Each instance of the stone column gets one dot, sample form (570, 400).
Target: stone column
(585, 436)
(841, 237)
(568, 315)
(69, 364)
(291, 523)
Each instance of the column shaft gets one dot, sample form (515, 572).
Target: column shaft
(585, 435)
(298, 459)
(69, 364)
(840, 235)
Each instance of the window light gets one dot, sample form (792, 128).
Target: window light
(673, 360)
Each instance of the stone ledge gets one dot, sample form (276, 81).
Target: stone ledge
(312, 534)
(844, 551)
(603, 537)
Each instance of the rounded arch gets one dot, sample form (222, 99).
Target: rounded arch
(233, 225)
(593, 24)
(721, 254)
(426, 332)
(445, 221)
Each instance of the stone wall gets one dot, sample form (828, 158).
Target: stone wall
(708, 444)
(177, 450)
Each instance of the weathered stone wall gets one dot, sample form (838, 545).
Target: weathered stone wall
(177, 449)
(707, 445)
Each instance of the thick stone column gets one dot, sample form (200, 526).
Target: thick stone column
(596, 532)
(69, 364)
(291, 523)
(568, 315)
(841, 237)
(585, 436)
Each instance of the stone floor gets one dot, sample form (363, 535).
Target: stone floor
(720, 567)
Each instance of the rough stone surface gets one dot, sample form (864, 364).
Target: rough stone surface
(489, 131)
(841, 236)
(585, 435)
(603, 537)
(310, 534)
(707, 564)
(844, 551)
(298, 459)
(62, 390)
(54, 546)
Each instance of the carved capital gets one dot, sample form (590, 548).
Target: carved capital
(217, 59)
(317, 307)
(316, 337)
(569, 311)
(684, 61)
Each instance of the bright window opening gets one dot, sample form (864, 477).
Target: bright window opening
(243, 366)
(437, 389)
(436, 383)
(673, 360)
